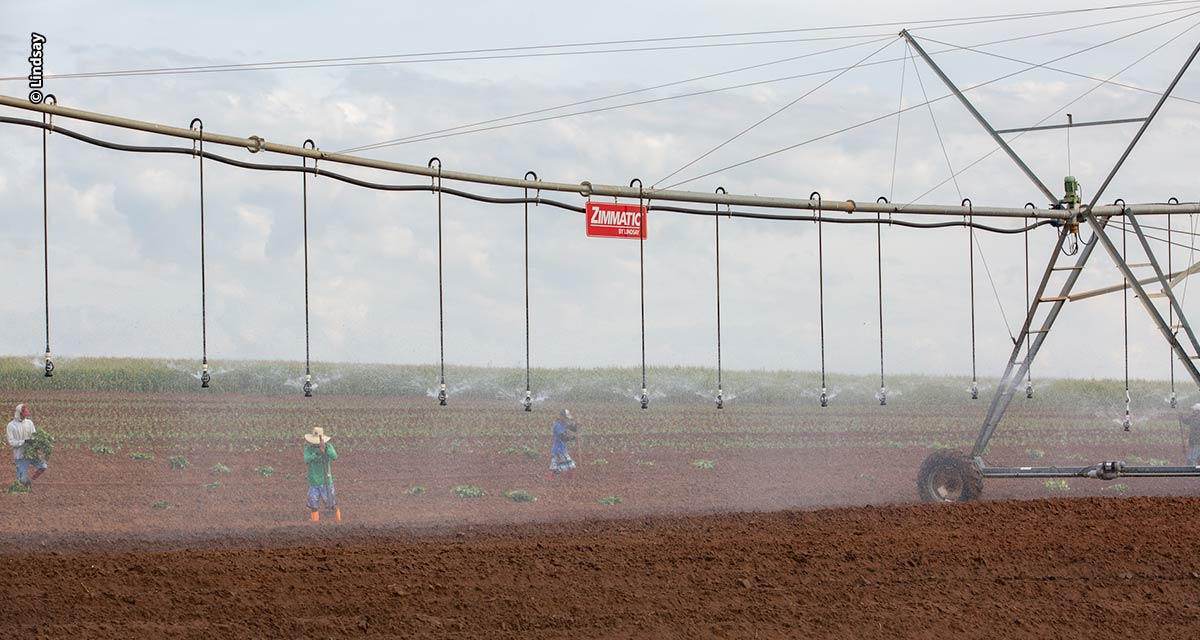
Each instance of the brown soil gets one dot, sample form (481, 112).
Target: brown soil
(793, 542)
(1040, 569)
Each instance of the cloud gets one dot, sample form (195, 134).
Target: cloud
(125, 229)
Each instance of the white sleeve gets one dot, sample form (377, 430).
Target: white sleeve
(13, 441)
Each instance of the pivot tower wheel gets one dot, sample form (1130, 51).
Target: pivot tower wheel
(949, 476)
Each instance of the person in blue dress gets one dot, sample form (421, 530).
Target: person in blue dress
(564, 431)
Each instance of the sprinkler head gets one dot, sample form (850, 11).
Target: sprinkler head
(645, 399)
(824, 397)
(1029, 391)
(974, 390)
(49, 365)
(1127, 425)
(205, 378)
(528, 401)
(308, 386)
(1174, 401)
(442, 395)
(720, 399)
(882, 396)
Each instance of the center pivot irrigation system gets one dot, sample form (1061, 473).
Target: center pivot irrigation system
(945, 475)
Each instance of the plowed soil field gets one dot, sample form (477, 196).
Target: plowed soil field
(768, 522)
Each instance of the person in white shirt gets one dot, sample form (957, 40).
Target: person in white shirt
(19, 430)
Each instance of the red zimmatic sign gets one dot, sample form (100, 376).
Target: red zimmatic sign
(613, 220)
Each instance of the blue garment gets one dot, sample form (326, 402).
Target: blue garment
(559, 448)
(23, 465)
(318, 494)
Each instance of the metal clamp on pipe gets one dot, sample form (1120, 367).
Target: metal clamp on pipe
(1106, 470)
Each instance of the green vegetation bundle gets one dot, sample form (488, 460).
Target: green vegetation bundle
(39, 446)
(520, 495)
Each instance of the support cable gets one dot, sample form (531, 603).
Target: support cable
(775, 113)
(717, 250)
(437, 181)
(1081, 96)
(995, 291)
(645, 397)
(528, 401)
(48, 126)
(899, 114)
(830, 134)
(205, 377)
(482, 125)
(824, 399)
(1191, 253)
(308, 385)
(936, 129)
(936, 23)
(1161, 239)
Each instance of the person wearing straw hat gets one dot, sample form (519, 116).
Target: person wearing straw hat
(317, 455)
(19, 430)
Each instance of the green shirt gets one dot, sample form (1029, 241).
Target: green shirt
(316, 463)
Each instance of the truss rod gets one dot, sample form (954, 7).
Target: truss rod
(1093, 123)
(586, 189)
(255, 144)
(1050, 197)
(1175, 279)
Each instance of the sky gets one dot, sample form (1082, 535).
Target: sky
(124, 250)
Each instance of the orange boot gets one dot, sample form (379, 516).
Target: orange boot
(316, 516)
(337, 514)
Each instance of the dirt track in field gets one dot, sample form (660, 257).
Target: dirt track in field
(1074, 568)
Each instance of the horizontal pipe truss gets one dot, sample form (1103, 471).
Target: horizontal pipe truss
(255, 144)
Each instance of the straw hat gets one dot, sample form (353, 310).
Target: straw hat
(317, 436)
